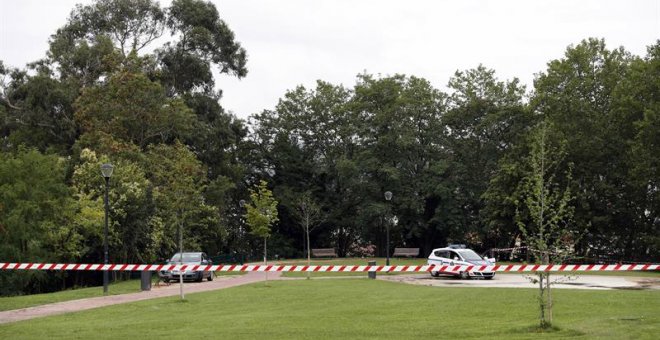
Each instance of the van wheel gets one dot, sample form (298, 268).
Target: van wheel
(210, 278)
(464, 276)
(435, 274)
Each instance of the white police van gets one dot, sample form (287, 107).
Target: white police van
(459, 255)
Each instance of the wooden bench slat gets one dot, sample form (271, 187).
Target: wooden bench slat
(324, 252)
(406, 252)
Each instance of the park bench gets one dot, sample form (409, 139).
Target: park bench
(324, 252)
(407, 252)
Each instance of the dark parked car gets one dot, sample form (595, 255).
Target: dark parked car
(188, 275)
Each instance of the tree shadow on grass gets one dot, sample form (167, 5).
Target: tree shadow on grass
(552, 330)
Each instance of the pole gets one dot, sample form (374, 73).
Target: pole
(265, 256)
(309, 259)
(181, 257)
(105, 239)
(387, 246)
(388, 197)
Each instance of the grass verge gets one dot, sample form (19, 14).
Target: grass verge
(115, 288)
(24, 301)
(357, 309)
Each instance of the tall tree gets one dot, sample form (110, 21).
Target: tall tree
(132, 109)
(636, 111)
(179, 182)
(302, 144)
(575, 94)
(204, 40)
(36, 211)
(486, 117)
(401, 149)
(135, 232)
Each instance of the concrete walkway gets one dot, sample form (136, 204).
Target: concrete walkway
(162, 290)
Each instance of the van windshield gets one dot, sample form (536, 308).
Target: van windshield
(470, 255)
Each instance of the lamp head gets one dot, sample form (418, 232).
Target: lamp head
(106, 170)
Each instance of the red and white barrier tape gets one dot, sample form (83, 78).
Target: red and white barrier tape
(509, 249)
(331, 268)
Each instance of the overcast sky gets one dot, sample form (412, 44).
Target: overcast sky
(292, 42)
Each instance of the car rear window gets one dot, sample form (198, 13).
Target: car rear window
(186, 258)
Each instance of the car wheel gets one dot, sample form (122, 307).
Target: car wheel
(201, 277)
(464, 275)
(210, 278)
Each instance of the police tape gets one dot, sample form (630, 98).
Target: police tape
(332, 268)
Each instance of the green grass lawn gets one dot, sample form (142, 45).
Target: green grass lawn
(16, 302)
(115, 288)
(356, 309)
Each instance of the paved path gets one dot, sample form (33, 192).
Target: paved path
(519, 281)
(219, 282)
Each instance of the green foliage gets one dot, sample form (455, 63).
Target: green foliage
(545, 212)
(547, 229)
(637, 101)
(179, 180)
(130, 24)
(133, 109)
(106, 92)
(486, 118)
(35, 213)
(39, 111)
(577, 94)
(135, 234)
(261, 211)
(203, 32)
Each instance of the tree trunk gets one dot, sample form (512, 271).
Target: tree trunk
(549, 302)
(266, 256)
(541, 300)
(309, 258)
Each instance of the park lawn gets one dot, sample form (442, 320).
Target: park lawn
(24, 301)
(357, 309)
(115, 288)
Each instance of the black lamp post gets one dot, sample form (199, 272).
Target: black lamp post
(388, 197)
(106, 171)
(241, 203)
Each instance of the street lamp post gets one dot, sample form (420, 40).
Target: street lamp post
(106, 171)
(181, 252)
(388, 197)
(241, 203)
